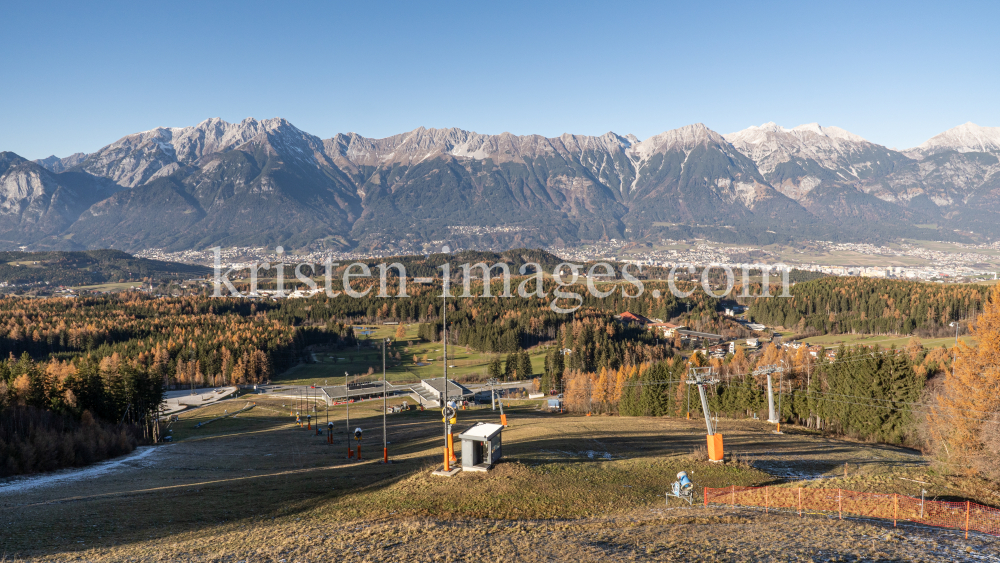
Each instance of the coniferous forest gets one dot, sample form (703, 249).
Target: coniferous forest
(869, 305)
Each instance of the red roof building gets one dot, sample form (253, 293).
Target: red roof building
(632, 318)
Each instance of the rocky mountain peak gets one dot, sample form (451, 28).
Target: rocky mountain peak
(802, 135)
(683, 138)
(55, 164)
(138, 158)
(797, 160)
(967, 137)
(8, 159)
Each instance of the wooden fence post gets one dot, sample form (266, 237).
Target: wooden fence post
(705, 496)
(968, 506)
(767, 507)
(895, 509)
(734, 496)
(840, 503)
(800, 501)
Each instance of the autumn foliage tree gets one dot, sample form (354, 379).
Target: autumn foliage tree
(964, 421)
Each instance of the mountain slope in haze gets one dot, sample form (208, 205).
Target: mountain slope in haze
(832, 172)
(57, 165)
(265, 182)
(854, 182)
(797, 160)
(962, 166)
(692, 175)
(36, 203)
(431, 183)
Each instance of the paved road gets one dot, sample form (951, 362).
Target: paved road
(176, 401)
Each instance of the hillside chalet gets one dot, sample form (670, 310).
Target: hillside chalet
(666, 330)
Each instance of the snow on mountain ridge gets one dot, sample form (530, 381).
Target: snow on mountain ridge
(140, 157)
(759, 134)
(770, 145)
(967, 137)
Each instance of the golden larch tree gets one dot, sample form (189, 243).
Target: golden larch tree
(962, 421)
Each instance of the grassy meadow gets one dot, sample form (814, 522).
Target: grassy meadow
(331, 365)
(255, 487)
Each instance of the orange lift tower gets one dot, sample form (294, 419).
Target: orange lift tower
(703, 377)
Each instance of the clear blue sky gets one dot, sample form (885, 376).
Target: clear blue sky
(79, 75)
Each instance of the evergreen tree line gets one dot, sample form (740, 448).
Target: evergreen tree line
(869, 305)
(864, 393)
(112, 389)
(71, 413)
(515, 367)
(594, 343)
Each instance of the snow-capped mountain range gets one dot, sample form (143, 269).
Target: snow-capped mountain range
(266, 182)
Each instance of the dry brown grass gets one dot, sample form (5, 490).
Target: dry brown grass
(257, 488)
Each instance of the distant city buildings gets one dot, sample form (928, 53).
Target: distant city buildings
(937, 265)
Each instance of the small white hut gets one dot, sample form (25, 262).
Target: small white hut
(481, 447)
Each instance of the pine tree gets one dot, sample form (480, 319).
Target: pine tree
(496, 369)
(653, 398)
(629, 403)
(524, 369)
(510, 367)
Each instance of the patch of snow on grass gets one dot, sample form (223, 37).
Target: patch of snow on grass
(141, 457)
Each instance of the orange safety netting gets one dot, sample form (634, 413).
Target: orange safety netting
(959, 515)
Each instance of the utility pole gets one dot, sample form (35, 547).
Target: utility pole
(385, 439)
(448, 440)
(781, 375)
(449, 453)
(347, 391)
(954, 351)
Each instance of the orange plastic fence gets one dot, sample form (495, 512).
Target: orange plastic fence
(959, 515)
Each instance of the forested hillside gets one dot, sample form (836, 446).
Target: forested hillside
(86, 375)
(868, 305)
(88, 268)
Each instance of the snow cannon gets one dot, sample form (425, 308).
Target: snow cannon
(685, 483)
(682, 488)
